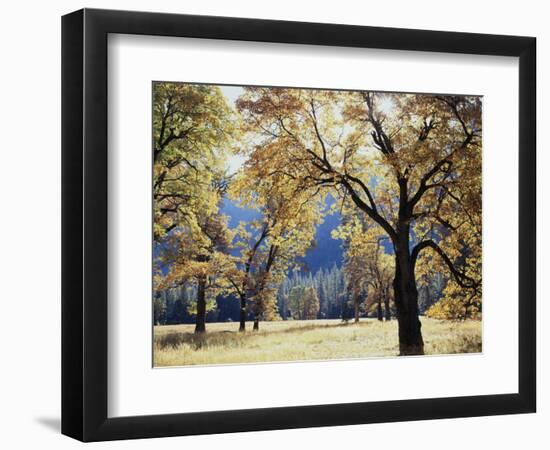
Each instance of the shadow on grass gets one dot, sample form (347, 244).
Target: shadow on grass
(218, 338)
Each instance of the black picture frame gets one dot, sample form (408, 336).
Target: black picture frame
(84, 224)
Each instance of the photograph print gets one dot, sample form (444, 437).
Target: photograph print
(297, 224)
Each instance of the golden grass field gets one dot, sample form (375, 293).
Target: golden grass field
(299, 340)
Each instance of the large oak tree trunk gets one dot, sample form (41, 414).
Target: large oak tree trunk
(242, 325)
(406, 299)
(200, 326)
(256, 324)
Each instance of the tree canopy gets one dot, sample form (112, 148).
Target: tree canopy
(404, 171)
(410, 163)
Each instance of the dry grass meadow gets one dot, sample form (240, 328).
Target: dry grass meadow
(176, 345)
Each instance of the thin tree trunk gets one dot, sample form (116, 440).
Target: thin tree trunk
(379, 315)
(387, 310)
(356, 305)
(256, 324)
(242, 325)
(200, 326)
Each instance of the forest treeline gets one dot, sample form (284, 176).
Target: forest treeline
(332, 299)
(404, 171)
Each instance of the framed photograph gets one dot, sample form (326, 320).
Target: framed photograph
(273, 224)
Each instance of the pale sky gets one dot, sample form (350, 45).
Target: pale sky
(232, 93)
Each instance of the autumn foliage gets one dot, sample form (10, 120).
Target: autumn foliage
(403, 171)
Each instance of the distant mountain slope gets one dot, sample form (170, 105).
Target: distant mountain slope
(326, 252)
(237, 214)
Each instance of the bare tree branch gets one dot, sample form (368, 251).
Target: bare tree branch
(461, 278)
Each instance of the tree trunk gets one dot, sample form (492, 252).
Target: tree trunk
(387, 310)
(343, 308)
(242, 326)
(379, 315)
(356, 305)
(200, 326)
(256, 324)
(406, 299)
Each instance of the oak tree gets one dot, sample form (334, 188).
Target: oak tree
(270, 244)
(409, 163)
